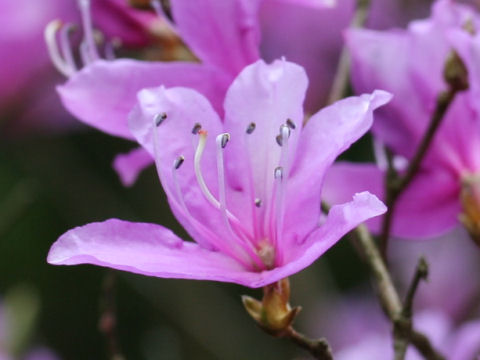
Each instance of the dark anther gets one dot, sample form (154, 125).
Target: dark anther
(291, 124)
(159, 118)
(279, 139)
(196, 128)
(178, 162)
(258, 203)
(251, 127)
(225, 140)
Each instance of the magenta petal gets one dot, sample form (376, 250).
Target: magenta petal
(380, 60)
(141, 248)
(221, 33)
(429, 206)
(103, 93)
(284, 22)
(128, 166)
(327, 134)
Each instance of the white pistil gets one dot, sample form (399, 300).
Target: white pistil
(202, 134)
(58, 61)
(91, 52)
(202, 141)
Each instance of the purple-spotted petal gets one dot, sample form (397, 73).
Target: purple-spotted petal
(327, 134)
(103, 93)
(128, 166)
(221, 33)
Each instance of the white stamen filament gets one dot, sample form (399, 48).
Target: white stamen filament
(212, 239)
(89, 39)
(66, 46)
(255, 201)
(51, 40)
(202, 141)
(222, 141)
(280, 189)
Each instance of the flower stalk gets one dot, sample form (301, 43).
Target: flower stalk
(275, 316)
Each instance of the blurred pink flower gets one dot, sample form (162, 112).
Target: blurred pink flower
(251, 205)
(409, 63)
(27, 80)
(225, 36)
(456, 342)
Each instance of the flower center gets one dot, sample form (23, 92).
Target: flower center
(258, 247)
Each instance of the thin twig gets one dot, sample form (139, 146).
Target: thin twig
(108, 319)
(455, 75)
(395, 185)
(401, 337)
(318, 348)
(342, 75)
(421, 273)
(389, 298)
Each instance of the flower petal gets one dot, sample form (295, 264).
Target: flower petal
(429, 206)
(128, 166)
(184, 110)
(344, 179)
(327, 134)
(220, 33)
(340, 220)
(142, 248)
(380, 60)
(266, 95)
(283, 22)
(103, 93)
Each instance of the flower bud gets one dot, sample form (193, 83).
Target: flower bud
(455, 72)
(273, 314)
(470, 198)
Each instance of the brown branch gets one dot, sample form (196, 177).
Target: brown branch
(389, 298)
(318, 348)
(342, 75)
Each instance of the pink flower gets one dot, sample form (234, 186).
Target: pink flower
(247, 189)
(225, 36)
(27, 82)
(409, 63)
